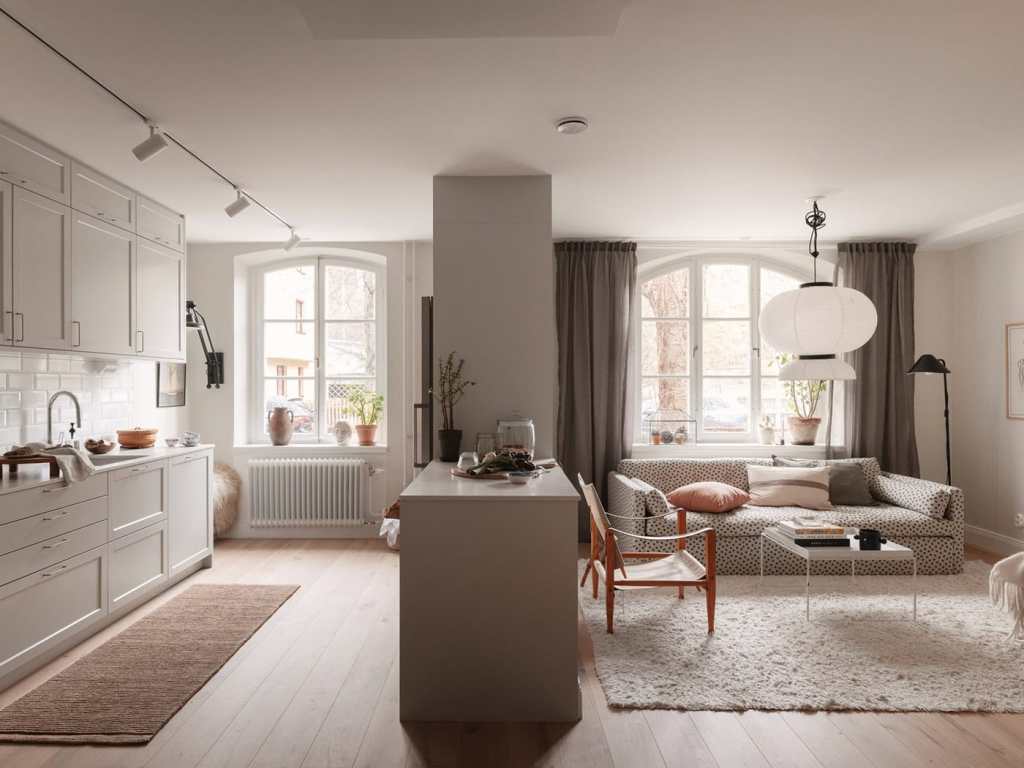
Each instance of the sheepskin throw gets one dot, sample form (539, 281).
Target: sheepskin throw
(1006, 588)
(226, 487)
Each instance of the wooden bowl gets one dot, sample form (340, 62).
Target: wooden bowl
(137, 437)
(99, 446)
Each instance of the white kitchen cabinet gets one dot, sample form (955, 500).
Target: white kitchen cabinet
(160, 224)
(138, 497)
(6, 267)
(160, 289)
(48, 606)
(41, 264)
(190, 520)
(102, 197)
(138, 563)
(32, 165)
(102, 286)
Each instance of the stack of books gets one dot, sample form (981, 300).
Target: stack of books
(807, 534)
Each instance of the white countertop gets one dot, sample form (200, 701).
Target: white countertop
(436, 483)
(33, 475)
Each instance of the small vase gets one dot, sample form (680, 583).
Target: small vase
(767, 435)
(367, 434)
(803, 431)
(280, 425)
(342, 432)
(451, 443)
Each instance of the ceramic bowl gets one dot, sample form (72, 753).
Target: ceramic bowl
(519, 478)
(190, 439)
(171, 442)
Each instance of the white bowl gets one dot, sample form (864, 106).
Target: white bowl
(171, 442)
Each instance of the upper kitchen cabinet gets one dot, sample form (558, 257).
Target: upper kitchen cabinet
(102, 286)
(102, 197)
(160, 224)
(32, 165)
(6, 272)
(41, 266)
(160, 288)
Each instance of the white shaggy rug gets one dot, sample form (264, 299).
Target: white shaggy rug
(859, 651)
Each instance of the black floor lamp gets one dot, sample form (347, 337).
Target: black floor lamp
(933, 364)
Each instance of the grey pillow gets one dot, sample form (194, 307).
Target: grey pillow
(847, 485)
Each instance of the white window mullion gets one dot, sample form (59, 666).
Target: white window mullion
(697, 350)
(755, 340)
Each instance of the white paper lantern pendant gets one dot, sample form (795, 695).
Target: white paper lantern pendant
(818, 321)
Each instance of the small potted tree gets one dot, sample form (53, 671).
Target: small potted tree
(367, 406)
(450, 390)
(804, 396)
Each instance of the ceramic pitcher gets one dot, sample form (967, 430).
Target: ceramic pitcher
(279, 425)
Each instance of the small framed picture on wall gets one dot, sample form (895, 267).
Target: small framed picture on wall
(1015, 370)
(170, 385)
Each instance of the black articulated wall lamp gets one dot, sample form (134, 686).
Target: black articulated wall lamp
(214, 360)
(933, 364)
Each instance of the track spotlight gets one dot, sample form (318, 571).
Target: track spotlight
(154, 145)
(292, 241)
(237, 205)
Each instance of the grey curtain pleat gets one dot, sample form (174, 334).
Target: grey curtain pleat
(595, 292)
(880, 403)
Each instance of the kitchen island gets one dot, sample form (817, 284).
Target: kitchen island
(488, 591)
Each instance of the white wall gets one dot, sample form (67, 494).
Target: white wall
(217, 283)
(494, 298)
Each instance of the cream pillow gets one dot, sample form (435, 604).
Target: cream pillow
(789, 486)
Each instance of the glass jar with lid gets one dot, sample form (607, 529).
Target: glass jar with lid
(517, 434)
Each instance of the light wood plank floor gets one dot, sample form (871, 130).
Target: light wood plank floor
(317, 686)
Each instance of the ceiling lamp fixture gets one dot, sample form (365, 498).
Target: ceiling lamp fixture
(293, 241)
(571, 125)
(818, 321)
(151, 147)
(237, 205)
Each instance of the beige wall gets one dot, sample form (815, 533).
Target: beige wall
(494, 298)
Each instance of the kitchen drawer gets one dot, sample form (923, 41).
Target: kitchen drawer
(43, 498)
(47, 525)
(160, 224)
(137, 563)
(32, 165)
(138, 497)
(50, 605)
(33, 558)
(102, 197)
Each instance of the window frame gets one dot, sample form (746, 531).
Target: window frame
(321, 434)
(695, 264)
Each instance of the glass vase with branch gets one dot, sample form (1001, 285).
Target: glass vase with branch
(804, 398)
(451, 388)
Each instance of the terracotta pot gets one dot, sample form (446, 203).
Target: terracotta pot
(802, 431)
(450, 441)
(367, 434)
(280, 426)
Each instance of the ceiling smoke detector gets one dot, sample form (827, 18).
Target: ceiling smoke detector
(571, 125)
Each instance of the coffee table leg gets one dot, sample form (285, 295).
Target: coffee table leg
(915, 588)
(807, 589)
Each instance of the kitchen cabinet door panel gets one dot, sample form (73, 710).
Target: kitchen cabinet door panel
(32, 165)
(6, 267)
(161, 301)
(190, 525)
(41, 264)
(102, 287)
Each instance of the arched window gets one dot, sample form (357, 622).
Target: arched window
(319, 335)
(702, 360)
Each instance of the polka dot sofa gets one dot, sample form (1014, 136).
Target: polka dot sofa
(925, 516)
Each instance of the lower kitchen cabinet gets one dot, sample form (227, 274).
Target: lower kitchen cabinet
(50, 605)
(190, 521)
(138, 497)
(138, 562)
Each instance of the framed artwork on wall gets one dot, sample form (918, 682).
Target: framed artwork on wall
(170, 385)
(1015, 370)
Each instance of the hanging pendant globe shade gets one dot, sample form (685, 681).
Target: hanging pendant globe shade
(829, 369)
(818, 319)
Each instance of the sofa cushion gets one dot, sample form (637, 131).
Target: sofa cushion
(847, 483)
(708, 497)
(668, 474)
(789, 486)
(929, 499)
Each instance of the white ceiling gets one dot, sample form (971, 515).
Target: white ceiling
(710, 119)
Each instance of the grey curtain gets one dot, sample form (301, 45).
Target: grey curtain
(595, 291)
(880, 403)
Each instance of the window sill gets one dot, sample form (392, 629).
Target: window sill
(729, 450)
(322, 449)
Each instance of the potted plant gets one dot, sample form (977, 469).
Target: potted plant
(804, 397)
(367, 406)
(450, 390)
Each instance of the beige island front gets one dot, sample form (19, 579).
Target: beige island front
(488, 599)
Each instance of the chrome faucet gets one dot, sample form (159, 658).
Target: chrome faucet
(49, 415)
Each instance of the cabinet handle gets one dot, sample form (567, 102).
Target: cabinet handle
(140, 348)
(11, 336)
(76, 325)
(60, 543)
(55, 517)
(3, 173)
(58, 569)
(22, 336)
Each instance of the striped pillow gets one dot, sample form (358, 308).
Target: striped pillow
(789, 487)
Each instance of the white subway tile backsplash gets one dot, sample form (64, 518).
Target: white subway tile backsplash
(58, 364)
(3, 381)
(49, 381)
(20, 381)
(71, 381)
(34, 397)
(32, 363)
(9, 436)
(10, 399)
(10, 363)
(33, 434)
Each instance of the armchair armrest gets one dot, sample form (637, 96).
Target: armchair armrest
(709, 532)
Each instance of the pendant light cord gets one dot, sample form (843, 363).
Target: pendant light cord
(138, 113)
(815, 219)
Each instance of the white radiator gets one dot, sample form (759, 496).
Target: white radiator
(309, 492)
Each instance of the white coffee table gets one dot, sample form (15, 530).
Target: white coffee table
(853, 553)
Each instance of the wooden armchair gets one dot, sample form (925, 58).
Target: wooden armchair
(679, 569)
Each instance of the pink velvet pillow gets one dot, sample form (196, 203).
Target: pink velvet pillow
(708, 497)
